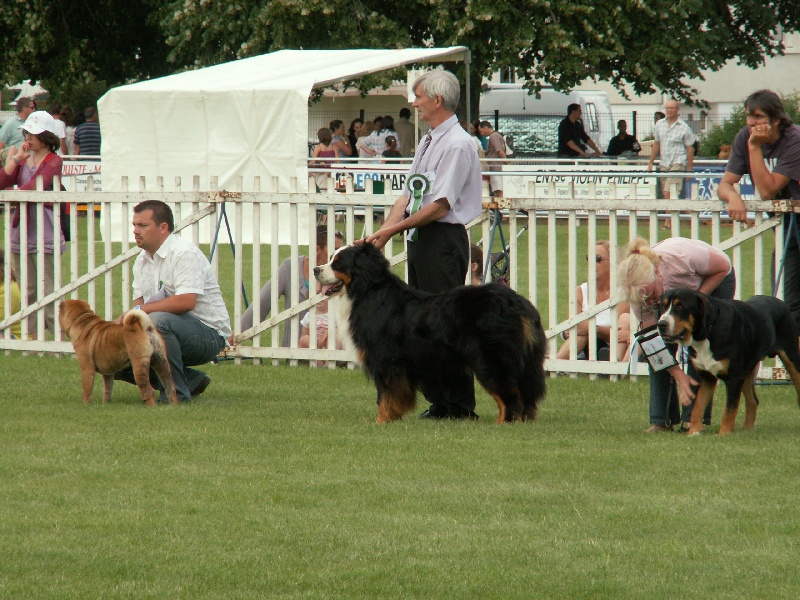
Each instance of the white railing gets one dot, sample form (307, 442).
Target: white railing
(551, 233)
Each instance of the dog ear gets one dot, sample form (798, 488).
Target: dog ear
(707, 315)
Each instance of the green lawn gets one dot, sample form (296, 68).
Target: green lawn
(276, 483)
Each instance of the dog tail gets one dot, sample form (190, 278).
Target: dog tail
(138, 320)
(532, 383)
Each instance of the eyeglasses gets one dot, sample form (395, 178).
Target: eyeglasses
(597, 258)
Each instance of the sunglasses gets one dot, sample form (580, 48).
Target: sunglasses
(597, 259)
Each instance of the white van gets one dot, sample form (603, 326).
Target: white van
(533, 122)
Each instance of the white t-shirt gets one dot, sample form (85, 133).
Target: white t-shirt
(61, 132)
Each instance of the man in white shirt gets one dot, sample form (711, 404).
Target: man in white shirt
(674, 141)
(448, 169)
(173, 283)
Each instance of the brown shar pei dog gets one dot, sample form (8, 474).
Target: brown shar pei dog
(105, 347)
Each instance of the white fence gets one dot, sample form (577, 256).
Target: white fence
(547, 236)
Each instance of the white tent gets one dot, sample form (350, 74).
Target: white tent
(244, 118)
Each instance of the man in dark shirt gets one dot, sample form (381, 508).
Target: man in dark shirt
(622, 142)
(572, 139)
(87, 135)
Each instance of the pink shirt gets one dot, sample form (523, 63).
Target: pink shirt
(684, 264)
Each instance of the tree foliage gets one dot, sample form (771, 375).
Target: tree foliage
(724, 133)
(641, 45)
(78, 49)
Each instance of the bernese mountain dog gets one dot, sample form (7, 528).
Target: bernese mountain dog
(408, 340)
(727, 339)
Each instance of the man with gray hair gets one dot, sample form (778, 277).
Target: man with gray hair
(442, 194)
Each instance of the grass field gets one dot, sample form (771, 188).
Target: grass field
(276, 483)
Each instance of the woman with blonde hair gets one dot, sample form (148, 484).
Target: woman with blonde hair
(644, 275)
(603, 319)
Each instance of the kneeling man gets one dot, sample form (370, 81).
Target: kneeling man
(173, 283)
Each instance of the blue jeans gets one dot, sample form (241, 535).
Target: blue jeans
(189, 342)
(665, 406)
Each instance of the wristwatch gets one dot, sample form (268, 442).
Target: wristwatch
(19, 162)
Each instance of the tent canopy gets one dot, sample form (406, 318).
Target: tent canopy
(243, 118)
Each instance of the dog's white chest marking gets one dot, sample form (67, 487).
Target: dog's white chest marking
(704, 359)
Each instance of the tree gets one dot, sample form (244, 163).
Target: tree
(641, 45)
(648, 45)
(724, 133)
(78, 49)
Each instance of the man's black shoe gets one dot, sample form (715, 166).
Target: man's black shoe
(435, 412)
(204, 383)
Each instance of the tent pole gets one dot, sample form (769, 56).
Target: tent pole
(467, 63)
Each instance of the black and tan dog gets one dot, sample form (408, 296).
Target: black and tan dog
(105, 348)
(727, 339)
(409, 340)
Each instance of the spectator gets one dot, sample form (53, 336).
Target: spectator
(340, 141)
(475, 264)
(391, 148)
(405, 133)
(644, 275)
(476, 124)
(603, 319)
(375, 143)
(12, 134)
(658, 115)
(768, 149)
(352, 136)
(623, 144)
(367, 129)
(87, 135)
(36, 157)
(286, 271)
(674, 145)
(495, 150)
(572, 138)
(321, 327)
(470, 127)
(325, 153)
(13, 293)
(55, 111)
(69, 121)
(437, 242)
(173, 282)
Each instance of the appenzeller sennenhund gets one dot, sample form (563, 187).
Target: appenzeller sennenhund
(727, 339)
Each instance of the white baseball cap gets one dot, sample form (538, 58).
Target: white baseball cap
(38, 122)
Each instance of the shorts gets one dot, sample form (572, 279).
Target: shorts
(668, 182)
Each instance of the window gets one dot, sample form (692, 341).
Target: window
(507, 75)
(590, 121)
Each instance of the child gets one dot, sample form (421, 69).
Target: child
(324, 151)
(391, 148)
(321, 326)
(16, 328)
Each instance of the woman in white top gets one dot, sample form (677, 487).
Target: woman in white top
(603, 319)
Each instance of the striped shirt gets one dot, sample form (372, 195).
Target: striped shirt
(87, 136)
(672, 140)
